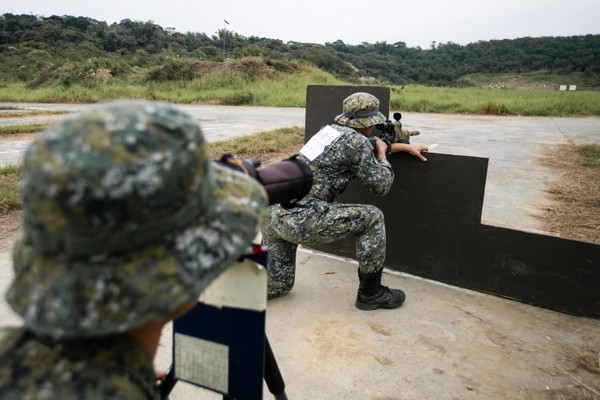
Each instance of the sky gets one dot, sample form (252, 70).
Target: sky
(416, 22)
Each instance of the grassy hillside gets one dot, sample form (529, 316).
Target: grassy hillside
(250, 81)
(258, 82)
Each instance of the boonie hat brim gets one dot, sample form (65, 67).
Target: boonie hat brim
(114, 294)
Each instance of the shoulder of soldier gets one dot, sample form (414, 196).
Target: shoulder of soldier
(350, 135)
(344, 129)
(9, 336)
(22, 356)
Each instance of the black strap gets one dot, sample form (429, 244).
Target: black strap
(361, 114)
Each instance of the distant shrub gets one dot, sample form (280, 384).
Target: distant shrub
(88, 73)
(239, 98)
(251, 68)
(422, 105)
(493, 108)
(51, 75)
(174, 70)
(284, 66)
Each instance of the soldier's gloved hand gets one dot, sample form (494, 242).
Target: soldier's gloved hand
(247, 165)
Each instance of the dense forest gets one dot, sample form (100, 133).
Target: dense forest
(62, 49)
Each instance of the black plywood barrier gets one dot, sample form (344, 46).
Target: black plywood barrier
(323, 103)
(434, 230)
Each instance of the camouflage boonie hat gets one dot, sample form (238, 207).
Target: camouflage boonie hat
(125, 220)
(360, 110)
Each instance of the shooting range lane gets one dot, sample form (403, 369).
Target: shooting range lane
(445, 341)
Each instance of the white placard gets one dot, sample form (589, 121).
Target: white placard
(243, 285)
(315, 146)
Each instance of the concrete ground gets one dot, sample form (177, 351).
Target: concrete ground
(444, 342)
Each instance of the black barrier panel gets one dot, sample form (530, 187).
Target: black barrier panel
(430, 213)
(433, 214)
(323, 103)
(548, 271)
(432, 218)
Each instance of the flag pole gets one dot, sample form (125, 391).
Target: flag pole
(224, 33)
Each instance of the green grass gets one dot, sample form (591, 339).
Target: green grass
(232, 88)
(527, 102)
(259, 145)
(16, 113)
(590, 154)
(262, 87)
(10, 191)
(290, 91)
(228, 87)
(26, 128)
(93, 93)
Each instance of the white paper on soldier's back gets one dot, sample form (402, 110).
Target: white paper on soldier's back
(315, 146)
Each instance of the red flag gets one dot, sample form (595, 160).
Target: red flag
(226, 21)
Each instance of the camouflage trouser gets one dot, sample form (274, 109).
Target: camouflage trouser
(320, 222)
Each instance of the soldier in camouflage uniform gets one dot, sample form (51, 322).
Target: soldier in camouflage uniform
(126, 220)
(337, 154)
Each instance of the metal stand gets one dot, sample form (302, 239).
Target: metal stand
(273, 376)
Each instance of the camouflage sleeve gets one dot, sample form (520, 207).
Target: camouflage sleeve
(375, 174)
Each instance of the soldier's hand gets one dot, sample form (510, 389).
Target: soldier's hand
(412, 149)
(416, 150)
(160, 376)
(381, 147)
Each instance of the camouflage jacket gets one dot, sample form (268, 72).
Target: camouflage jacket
(111, 367)
(349, 156)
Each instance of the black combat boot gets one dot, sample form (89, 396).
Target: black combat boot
(372, 294)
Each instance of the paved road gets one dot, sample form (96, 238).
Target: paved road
(517, 182)
(218, 122)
